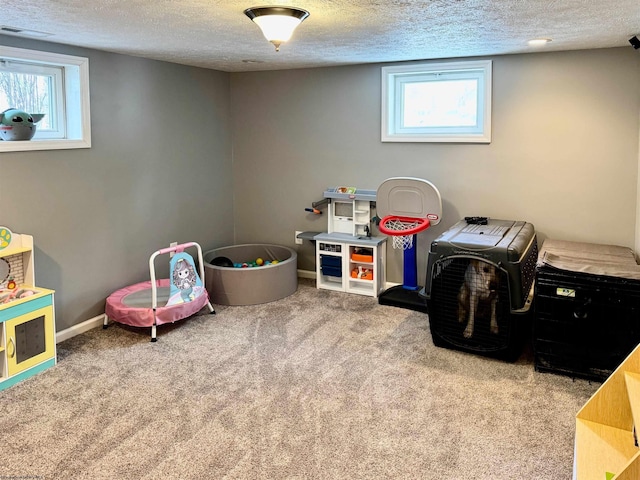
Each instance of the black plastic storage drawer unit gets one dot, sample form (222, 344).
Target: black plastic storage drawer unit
(587, 308)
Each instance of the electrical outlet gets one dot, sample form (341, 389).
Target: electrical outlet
(298, 240)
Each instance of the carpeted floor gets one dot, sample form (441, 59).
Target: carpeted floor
(320, 385)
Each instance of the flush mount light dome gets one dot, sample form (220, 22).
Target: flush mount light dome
(277, 23)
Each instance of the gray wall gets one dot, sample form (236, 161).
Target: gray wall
(186, 154)
(564, 153)
(158, 171)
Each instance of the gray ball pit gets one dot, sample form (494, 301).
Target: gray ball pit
(254, 285)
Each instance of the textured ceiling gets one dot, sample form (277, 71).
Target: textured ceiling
(216, 34)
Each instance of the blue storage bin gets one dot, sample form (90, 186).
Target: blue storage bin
(332, 271)
(330, 261)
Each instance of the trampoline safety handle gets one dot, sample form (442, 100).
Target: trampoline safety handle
(177, 248)
(152, 269)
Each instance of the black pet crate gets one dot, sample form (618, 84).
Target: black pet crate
(587, 308)
(509, 247)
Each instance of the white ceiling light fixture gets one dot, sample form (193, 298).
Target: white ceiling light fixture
(277, 23)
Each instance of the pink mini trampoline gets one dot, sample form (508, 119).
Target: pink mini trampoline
(156, 302)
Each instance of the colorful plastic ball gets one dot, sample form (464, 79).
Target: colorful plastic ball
(274, 262)
(259, 261)
(245, 265)
(222, 262)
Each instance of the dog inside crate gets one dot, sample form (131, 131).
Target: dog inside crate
(471, 303)
(480, 287)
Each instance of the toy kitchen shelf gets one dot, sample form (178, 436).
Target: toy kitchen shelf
(27, 322)
(348, 258)
(349, 212)
(351, 264)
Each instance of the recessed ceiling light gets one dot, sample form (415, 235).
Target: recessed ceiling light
(538, 42)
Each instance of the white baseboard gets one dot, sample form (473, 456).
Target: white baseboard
(307, 274)
(67, 333)
(98, 321)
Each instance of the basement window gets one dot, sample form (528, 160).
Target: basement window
(437, 102)
(51, 84)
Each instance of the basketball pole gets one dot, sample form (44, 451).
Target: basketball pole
(410, 271)
(406, 295)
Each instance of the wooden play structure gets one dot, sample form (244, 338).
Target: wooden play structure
(606, 441)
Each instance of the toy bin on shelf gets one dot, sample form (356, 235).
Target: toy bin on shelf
(27, 322)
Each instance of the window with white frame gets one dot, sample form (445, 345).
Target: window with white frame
(51, 84)
(437, 102)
